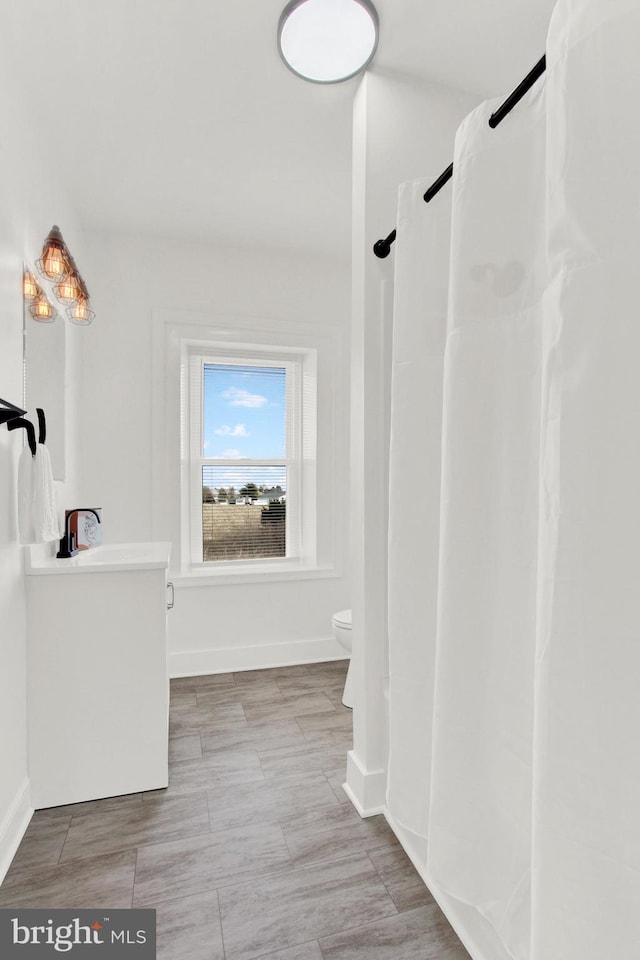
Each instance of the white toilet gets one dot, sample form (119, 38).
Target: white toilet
(341, 624)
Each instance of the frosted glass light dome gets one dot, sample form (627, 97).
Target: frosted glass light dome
(327, 41)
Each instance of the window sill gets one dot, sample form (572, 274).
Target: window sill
(204, 576)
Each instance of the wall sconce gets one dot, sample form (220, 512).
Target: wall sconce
(40, 307)
(57, 265)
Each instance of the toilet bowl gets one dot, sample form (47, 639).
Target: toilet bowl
(341, 625)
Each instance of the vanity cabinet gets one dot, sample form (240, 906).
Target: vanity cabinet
(98, 689)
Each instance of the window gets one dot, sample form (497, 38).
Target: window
(250, 423)
(315, 453)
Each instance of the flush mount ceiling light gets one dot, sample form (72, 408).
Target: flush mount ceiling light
(327, 41)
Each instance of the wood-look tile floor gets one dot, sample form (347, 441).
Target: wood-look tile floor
(253, 851)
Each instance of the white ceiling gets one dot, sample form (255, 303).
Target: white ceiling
(179, 118)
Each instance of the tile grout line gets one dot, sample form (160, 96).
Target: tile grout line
(224, 950)
(385, 885)
(64, 842)
(133, 885)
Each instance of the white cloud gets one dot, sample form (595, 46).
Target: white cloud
(230, 454)
(238, 431)
(242, 398)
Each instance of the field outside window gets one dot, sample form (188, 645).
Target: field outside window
(246, 464)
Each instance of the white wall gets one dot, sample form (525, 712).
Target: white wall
(220, 626)
(30, 202)
(403, 130)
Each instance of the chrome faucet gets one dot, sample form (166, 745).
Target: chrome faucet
(68, 545)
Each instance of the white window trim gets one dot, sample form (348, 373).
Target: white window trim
(329, 344)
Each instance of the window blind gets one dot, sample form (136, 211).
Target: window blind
(243, 519)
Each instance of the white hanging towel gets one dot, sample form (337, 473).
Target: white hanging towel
(46, 525)
(26, 466)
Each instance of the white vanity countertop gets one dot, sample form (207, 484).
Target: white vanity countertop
(109, 558)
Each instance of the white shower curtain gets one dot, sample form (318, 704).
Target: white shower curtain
(419, 333)
(514, 762)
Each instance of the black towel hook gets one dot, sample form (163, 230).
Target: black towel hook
(22, 423)
(42, 425)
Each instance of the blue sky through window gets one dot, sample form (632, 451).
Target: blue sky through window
(244, 412)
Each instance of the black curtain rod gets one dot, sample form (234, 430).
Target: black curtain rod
(382, 248)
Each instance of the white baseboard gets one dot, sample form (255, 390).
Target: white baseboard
(13, 827)
(365, 788)
(193, 663)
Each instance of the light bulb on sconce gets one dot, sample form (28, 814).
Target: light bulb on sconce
(68, 290)
(54, 262)
(42, 310)
(30, 286)
(80, 312)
